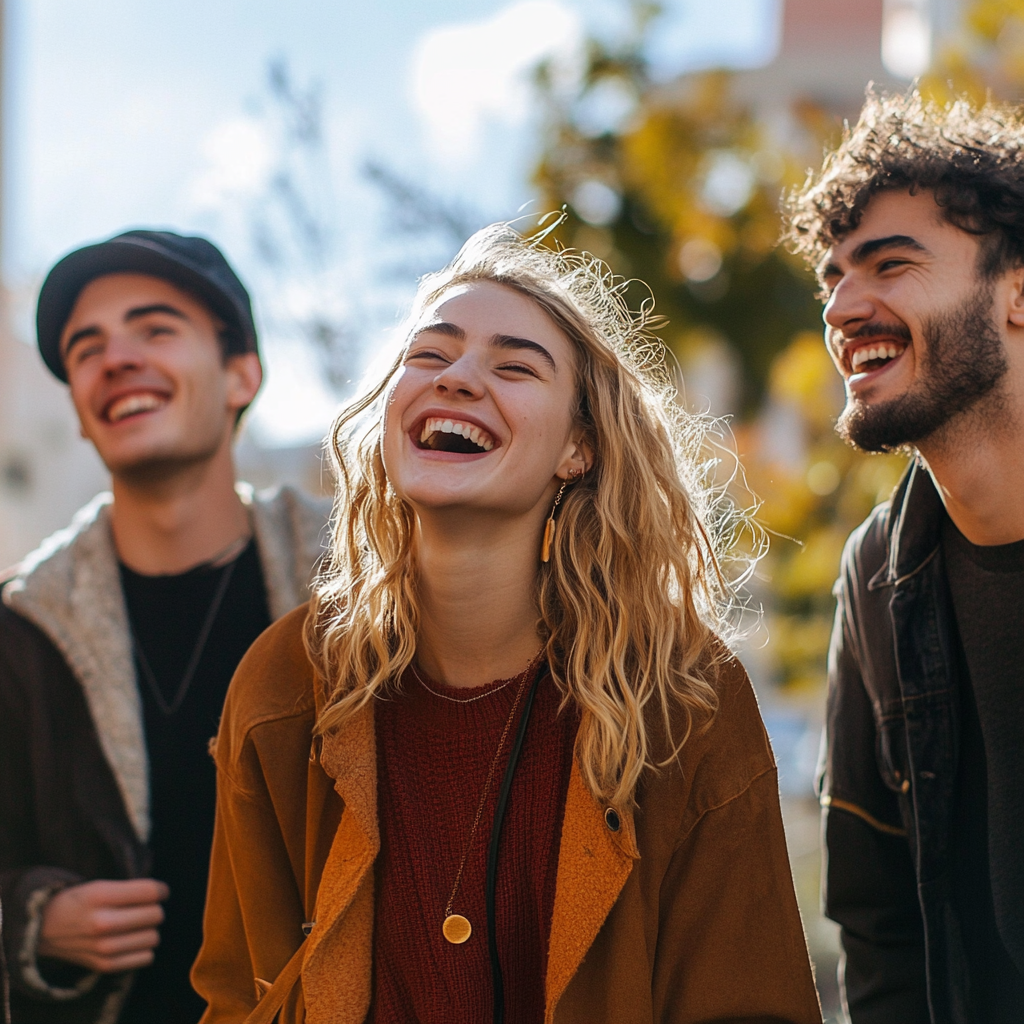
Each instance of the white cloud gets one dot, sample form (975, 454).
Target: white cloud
(467, 75)
(239, 155)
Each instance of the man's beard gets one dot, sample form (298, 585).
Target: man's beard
(962, 361)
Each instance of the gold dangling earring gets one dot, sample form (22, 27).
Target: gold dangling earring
(549, 526)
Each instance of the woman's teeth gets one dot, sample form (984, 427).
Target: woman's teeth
(885, 353)
(471, 432)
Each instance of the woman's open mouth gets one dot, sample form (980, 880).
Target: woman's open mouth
(451, 435)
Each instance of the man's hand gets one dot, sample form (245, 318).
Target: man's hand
(104, 926)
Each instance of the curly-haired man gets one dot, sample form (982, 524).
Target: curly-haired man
(915, 227)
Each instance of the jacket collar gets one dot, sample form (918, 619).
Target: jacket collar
(70, 588)
(914, 528)
(594, 863)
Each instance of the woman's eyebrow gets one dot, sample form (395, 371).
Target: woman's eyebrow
(441, 327)
(510, 341)
(506, 341)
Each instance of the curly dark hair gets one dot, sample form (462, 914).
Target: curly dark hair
(971, 158)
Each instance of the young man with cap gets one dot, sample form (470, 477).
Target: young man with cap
(118, 636)
(916, 229)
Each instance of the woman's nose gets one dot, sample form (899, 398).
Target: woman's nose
(461, 377)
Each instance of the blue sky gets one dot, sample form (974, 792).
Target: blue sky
(123, 113)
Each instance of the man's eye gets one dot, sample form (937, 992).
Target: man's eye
(890, 264)
(83, 352)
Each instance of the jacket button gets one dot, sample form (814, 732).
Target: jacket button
(905, 788)
(611, 819)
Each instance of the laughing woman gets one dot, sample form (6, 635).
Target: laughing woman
(501, 769)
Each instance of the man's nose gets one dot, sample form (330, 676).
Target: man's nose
(849, 305)
(122, 351)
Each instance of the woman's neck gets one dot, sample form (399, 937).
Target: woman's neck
(477, 600)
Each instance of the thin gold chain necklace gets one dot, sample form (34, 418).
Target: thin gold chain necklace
(456, 928)
(458, 700)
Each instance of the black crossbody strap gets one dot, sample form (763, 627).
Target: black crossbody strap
(497, 983)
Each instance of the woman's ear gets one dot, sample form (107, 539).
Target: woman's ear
(578, 461)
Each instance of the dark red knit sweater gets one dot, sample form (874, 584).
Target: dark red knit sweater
(432, 759)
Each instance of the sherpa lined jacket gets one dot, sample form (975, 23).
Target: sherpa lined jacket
(74, 792)
(685, 914)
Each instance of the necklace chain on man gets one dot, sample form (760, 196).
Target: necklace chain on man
(227, 571)
(456, 928)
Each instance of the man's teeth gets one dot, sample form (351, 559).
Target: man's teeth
(469, 431)
(866, 355)
(132, 404)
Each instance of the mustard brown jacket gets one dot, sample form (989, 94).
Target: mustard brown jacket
(685, 914)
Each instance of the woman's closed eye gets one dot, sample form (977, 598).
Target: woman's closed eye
(427, 355)
(517, 368)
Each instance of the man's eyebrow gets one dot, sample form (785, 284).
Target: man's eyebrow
(873, 246)
(156, 307)
(85, 332)
(135, 313)
(510, 341)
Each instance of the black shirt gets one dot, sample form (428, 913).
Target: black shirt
(987, 586)
(167, 615)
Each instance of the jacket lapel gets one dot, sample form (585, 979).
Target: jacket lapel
(70, 588)
(593, 865)
(337, 967)
(291, 536)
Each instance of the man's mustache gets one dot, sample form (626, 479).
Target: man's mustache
(874, 330)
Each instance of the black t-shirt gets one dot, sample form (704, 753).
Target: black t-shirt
(987, 586)
(167, 616)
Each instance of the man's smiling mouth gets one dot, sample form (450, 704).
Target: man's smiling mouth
(133, 405)
(444, 435)
(873, 357)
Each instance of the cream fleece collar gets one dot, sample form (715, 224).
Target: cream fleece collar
(70, 588)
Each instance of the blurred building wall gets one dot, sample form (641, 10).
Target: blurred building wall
(46, 469)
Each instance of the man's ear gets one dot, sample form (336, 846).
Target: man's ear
(1015, 313)
(245, 375)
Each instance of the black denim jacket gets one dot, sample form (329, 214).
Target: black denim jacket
(889, 767)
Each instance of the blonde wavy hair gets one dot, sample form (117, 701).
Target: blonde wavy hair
(632, 595)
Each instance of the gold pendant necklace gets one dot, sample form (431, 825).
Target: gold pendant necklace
(456, 928)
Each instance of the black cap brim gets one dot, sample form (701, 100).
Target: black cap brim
(70, 275)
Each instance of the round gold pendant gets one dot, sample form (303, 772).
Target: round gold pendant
(456, 929)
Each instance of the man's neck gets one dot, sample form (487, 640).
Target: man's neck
(978, 468)
(170, 525)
